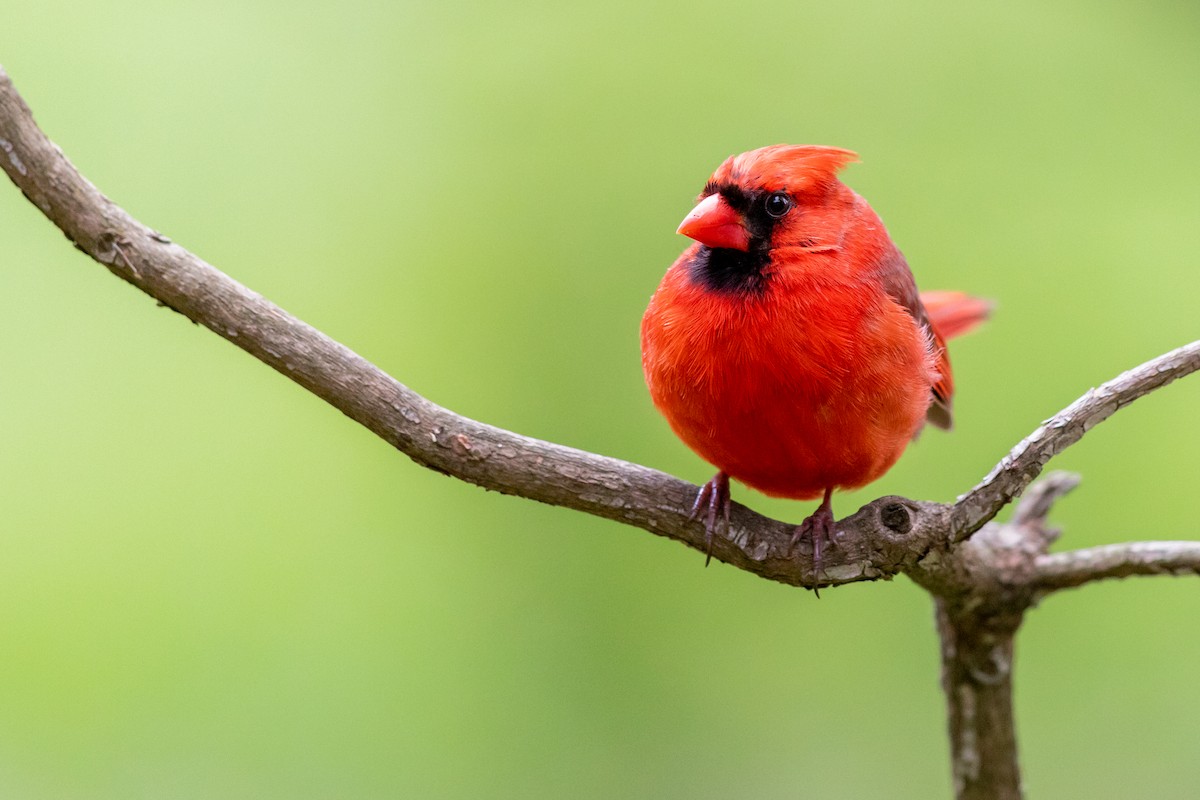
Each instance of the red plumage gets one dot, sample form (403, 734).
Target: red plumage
(788, 346)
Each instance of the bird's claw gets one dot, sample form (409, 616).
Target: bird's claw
(818, 528)
(713, 500)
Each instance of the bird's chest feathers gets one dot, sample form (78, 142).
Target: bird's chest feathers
(777, 339)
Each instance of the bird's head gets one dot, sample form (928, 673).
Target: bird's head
(774, 196)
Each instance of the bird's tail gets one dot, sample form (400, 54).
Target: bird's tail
(955, 313)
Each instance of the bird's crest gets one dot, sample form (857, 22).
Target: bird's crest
(798, 168)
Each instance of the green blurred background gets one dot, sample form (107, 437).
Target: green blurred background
(213, 585)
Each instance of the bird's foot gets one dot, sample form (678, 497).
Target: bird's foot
(818, 529)
(713, 501)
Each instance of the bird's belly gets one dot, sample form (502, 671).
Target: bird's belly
(800, 450)
(796, 410)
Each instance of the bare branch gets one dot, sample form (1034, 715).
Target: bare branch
(1026, 461)
(1035, 507)
(1076, 567)
(885, 537)
(875, 543)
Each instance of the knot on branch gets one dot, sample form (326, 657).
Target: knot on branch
(883, 538)
(896, 517)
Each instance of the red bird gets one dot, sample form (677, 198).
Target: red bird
(788, 346)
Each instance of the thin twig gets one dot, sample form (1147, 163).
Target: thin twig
(1025, 461)
(1034, 508)
(1076, 567)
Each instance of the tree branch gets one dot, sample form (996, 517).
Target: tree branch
(1026, 461)
(885, 537)
(1055, 571)
(429, 434)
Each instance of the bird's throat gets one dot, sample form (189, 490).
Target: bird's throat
(730, 271)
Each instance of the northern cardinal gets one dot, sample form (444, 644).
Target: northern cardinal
(788, 345)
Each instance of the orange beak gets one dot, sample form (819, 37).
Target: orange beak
(714, 223)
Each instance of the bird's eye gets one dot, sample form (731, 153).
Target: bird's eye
(778, 204)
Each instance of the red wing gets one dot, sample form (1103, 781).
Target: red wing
(897, 280)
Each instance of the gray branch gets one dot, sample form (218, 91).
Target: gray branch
(1026, 461)
(1076, 567)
